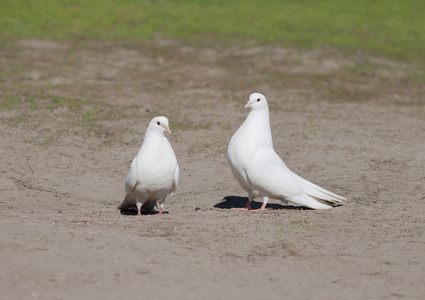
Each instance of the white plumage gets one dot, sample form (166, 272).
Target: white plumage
(154, 172)
(261, 172)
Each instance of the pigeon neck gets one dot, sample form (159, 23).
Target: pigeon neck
(261, 115)
(153, 139)
(259, 121)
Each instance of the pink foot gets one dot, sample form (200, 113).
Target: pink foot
(160, 211)
(247, 207)
(263, 206)
(258, 209)
(138, 212)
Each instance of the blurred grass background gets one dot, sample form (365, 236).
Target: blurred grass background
(387, 27)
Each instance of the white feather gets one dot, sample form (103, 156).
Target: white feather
(154, 172)
(261, 172)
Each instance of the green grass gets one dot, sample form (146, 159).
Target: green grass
(391, 27)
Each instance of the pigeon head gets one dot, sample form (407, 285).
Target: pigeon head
(160, 124)
(257, 101)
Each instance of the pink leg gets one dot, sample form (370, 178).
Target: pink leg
(247, 206)
(139, 207)
(263, 206)
(160, 209)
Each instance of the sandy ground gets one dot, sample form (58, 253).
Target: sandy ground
(357, 132)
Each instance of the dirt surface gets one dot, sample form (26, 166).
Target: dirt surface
(74, 115)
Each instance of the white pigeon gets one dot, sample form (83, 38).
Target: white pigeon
(154, 172)
(261, 172)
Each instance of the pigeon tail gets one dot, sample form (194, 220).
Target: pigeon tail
(320, 193)
(310, 202)
(129, 201)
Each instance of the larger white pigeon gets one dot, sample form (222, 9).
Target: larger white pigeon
(261, 172)
(154, 172)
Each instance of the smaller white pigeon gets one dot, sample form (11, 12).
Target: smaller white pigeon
(154, 172)
(261, 172)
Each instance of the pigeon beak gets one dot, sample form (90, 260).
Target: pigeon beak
(248, 104)
(167, 129)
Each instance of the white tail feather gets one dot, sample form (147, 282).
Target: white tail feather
(129, 201)
(320, 193)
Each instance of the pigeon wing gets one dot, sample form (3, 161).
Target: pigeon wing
(270, 175)
(176, 180)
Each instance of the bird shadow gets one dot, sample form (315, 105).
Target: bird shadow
(230, 202)
(132, 211)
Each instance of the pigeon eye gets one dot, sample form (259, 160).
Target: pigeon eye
(258, 100)
(158, 123)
